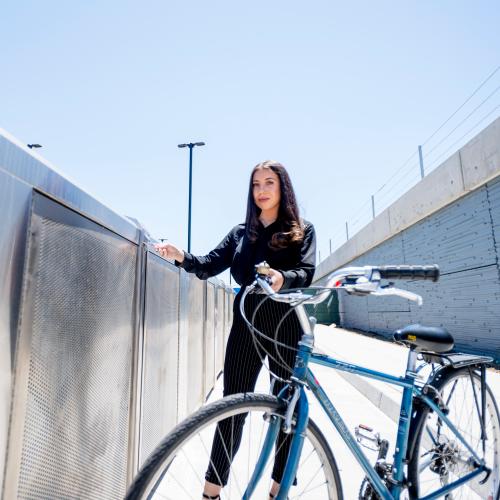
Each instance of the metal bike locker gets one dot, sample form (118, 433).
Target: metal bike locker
(71, 407)
(209, 338)
(73, 287)
(160, 353)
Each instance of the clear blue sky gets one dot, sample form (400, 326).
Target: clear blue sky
(340, 92)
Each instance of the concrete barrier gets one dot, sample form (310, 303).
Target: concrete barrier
(450, 218)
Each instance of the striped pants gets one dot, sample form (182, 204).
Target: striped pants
(241, 369)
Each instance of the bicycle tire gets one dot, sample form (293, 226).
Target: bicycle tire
(160, 473)
(437, 457)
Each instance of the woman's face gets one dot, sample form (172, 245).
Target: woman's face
(266, 189)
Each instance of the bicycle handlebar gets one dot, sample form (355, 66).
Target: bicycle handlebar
(374, 273)
(409, 272)
(361, 281)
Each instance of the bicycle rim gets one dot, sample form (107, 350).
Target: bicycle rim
(440, 458)
(176, 469)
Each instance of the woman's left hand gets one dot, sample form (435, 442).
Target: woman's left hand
(276, 279)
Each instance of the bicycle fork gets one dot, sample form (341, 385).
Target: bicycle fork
(301, 410)
(295, 447)
(299, 430)
(298, 411)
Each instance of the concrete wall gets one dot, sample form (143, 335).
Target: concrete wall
(450, 218)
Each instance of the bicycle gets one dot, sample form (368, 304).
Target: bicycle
(448, 437)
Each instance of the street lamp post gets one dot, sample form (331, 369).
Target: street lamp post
(190, 145)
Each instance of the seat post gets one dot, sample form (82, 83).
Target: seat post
(403, 427)
(411, 364)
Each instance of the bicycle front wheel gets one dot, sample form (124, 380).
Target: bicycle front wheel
(439, 458)
(176, 469)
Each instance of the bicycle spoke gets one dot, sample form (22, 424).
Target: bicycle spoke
(443, 458)
(302, 464)
(210, 460)
(232, 454)
(271, 462)
(310, 489)
(183, 488)
(249, 447)
(188, 450)
(229, 459)
(451, 392)
(192, 468)
(309, 483)
(429, 432)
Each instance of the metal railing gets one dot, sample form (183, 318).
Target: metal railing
(477, 111)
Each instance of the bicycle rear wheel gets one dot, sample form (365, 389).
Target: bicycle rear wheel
(438, 457)
(176, 469)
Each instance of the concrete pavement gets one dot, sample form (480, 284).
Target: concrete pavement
(375, 354)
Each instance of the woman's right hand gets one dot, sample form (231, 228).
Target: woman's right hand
(170, 251)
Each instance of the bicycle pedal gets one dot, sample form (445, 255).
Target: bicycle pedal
(366, 437)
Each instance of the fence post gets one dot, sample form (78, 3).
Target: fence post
(421, 158)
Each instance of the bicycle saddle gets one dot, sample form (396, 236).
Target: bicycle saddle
(425, 338)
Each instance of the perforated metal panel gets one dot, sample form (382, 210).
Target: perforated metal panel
(196, 314)
(210, 338)
(69, 432)
(159, 396)
(183, 348)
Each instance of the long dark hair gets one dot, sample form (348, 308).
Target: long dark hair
(290, 227)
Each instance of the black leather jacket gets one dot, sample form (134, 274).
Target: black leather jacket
(296, 262)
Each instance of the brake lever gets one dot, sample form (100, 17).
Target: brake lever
(362, 287)
(400, 293)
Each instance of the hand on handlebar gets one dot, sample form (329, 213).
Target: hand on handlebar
(276, 279)
(273, 278)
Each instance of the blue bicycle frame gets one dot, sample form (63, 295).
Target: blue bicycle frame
(303, 375)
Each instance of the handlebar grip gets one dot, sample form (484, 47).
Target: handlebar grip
(409, 272)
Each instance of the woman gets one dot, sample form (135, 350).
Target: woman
(274, 232)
